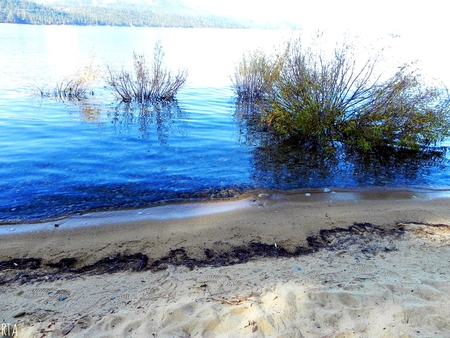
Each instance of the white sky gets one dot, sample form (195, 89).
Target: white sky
(359, 14)
(422, 26)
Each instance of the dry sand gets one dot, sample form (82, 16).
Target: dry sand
(386, 276)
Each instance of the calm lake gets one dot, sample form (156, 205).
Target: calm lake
(62, 157)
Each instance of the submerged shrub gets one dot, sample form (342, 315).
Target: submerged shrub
(76, 86)
(147, 83)
(255, 74)
(71, 89)
(403, 111)
(337, 98)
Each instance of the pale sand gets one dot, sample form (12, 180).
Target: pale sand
(367, 283)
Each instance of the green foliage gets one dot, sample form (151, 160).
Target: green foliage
(319, 98)
(403, 112)
(255, 74)
(147, 83)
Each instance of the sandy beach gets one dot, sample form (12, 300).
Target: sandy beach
(272, 264)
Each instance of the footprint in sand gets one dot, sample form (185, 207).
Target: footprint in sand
(443, 271)
(387, 273)
(329, 277)
(373, 270)
(219, 283)
(363, 268)
(363, 271)
(62, 293)
(43, 293)
(162, 289)
(35, 293)
(313, 275)
(122, 300)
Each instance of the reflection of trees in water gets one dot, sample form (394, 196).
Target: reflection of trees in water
(393, 166)
(251, 132)
(162, 116)
(90, 113)
(135, 118)
(295, 165)
(284, 165)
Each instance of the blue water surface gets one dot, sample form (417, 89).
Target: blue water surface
(60, 157)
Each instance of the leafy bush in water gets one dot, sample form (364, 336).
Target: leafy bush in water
(147, 83)
(320, 99)
(254, 75)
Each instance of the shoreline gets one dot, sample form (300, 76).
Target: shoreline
(285, 218)
(183, 209)
(269, 265)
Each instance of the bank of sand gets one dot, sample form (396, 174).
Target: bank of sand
(386, 276)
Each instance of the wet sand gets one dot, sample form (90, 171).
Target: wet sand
(344, 264)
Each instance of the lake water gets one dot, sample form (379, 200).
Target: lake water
(63, 157)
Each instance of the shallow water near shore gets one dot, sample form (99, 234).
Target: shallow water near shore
(255, 199)
(62, 158)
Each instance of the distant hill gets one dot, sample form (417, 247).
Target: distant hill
(158, 6)
(139, 13)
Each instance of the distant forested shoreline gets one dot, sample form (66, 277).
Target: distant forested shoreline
(27, 12)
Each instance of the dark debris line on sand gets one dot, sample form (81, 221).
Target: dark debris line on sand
(33, 270)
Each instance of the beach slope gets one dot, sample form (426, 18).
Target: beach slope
(269, 265)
